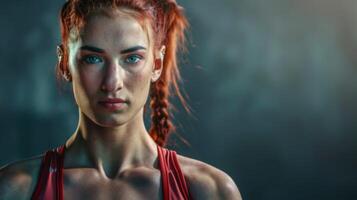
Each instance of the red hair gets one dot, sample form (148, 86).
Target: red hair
(168, 24)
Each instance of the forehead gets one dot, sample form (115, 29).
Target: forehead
(118, 29)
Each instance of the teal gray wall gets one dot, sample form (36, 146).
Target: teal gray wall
(272, 84)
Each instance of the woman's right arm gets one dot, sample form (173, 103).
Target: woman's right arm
(17, 180)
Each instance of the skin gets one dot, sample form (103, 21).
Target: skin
(111, 151)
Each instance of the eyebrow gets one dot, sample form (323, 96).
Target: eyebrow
(91, 48)
(99, 50)
(132, 49)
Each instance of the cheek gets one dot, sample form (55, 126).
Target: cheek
(86, 81)
(139, 83)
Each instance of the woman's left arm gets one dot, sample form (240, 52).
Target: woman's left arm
(208, 182)
(226, 187)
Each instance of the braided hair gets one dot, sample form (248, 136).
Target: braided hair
(168, 23)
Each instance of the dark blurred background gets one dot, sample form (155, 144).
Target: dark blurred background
(271, 82)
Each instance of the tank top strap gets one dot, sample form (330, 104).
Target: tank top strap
(50, 181)
(173, 181)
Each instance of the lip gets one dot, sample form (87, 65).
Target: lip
(112, 100)
(112, 104)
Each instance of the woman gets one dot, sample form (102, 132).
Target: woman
(117, 53)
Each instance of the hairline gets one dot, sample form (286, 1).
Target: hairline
(146, 24)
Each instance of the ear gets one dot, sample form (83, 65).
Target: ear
(158, 63)
(59, 52)
(64, 70)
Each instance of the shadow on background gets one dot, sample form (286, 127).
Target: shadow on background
(272, 84)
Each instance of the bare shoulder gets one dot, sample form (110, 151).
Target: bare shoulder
(18, 179)
(206, 181)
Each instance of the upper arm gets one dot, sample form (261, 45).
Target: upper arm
(226, 187)
(16, 180)
(217, 185)
(208, 182)
(12, 183)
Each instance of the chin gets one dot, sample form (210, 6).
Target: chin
(110, 121)
(106, 119)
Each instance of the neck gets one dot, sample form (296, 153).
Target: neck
(110, 150)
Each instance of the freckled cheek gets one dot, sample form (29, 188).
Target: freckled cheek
(87, 81)
(138, 83)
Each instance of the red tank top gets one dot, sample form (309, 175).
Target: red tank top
(50, 182)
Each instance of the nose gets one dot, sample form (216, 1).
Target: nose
(113, 78)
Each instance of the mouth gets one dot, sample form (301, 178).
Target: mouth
(112, 104)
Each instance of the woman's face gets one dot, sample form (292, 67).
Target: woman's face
(112, 58)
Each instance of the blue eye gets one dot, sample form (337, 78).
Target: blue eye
(92, 59)
(133, 59)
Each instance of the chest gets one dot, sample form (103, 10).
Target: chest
(133, 184)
